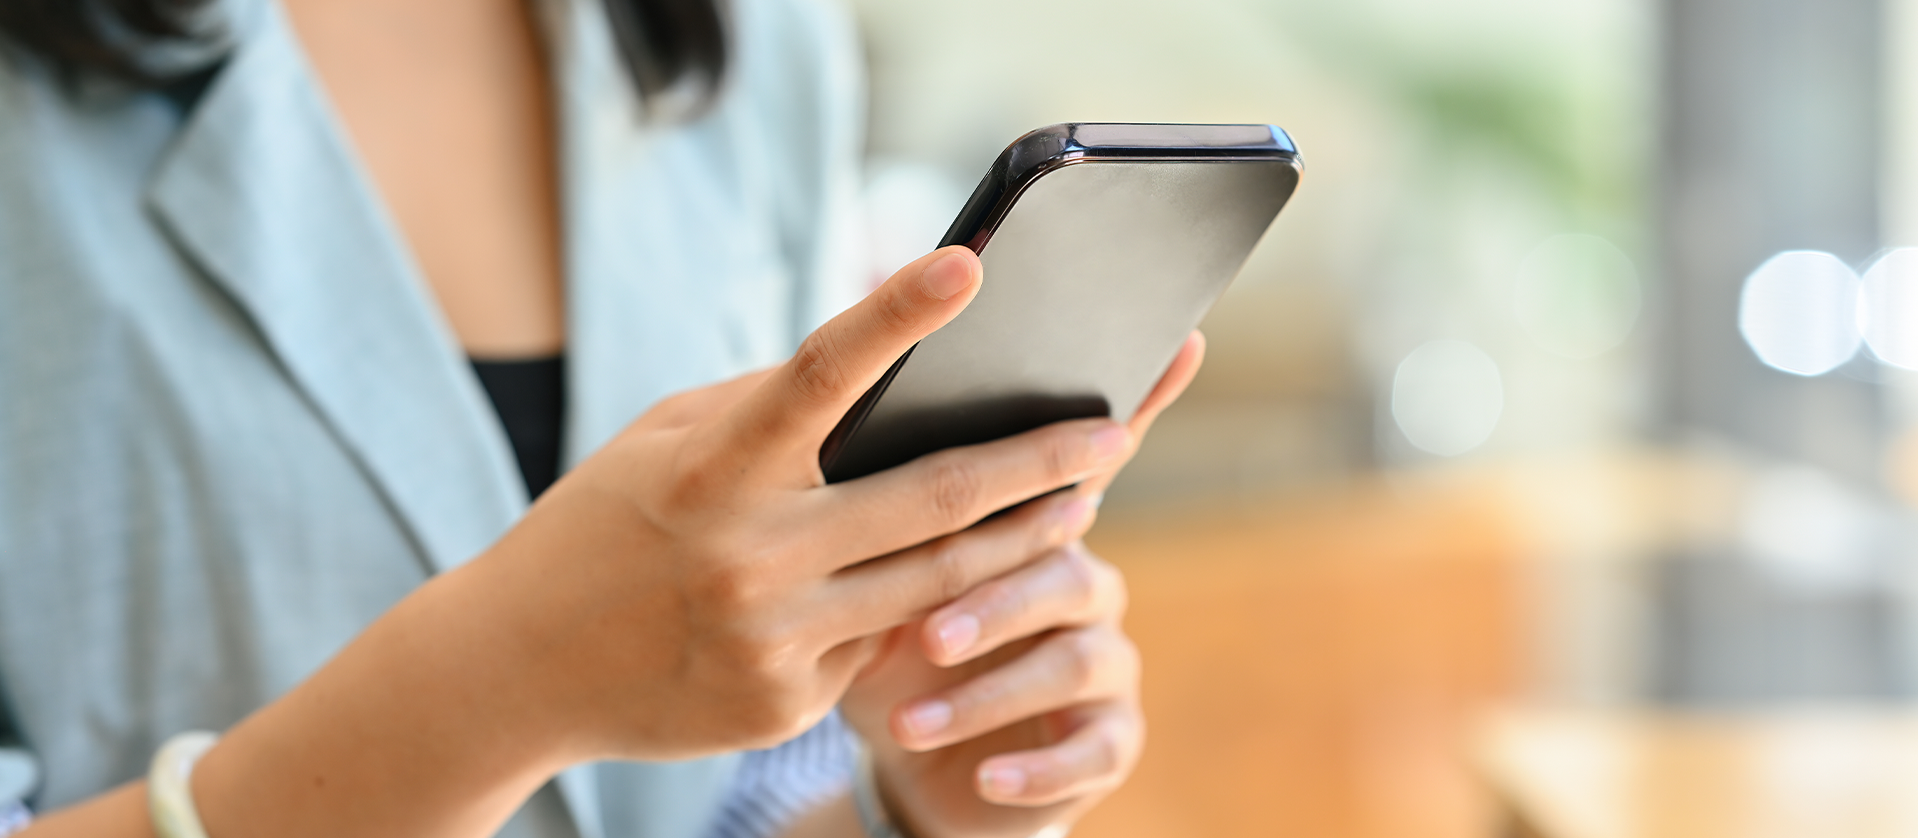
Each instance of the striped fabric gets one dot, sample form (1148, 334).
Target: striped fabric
(775, 785)
(14, 817)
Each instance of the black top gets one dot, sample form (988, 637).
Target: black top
(530, 397)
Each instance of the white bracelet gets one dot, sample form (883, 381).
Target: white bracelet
(169, 794)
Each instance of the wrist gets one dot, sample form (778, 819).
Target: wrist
(882, 813)
(878, 816)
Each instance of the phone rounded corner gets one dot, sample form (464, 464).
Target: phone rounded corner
(1038, 152)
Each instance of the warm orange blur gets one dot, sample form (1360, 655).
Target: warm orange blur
(1494, 426)
(1313, 666)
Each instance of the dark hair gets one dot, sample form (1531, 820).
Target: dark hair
(665, 43)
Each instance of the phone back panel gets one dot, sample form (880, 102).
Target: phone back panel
(1094, 274)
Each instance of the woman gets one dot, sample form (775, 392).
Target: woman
(263, 266)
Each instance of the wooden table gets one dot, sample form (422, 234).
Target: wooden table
(1814, 772)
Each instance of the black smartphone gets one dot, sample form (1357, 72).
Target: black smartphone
(1104, 245)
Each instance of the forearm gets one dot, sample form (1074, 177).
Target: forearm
(421, 727)
(120, 813)
(417, 728)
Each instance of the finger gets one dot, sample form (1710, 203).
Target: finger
(902, 587)
(1094, 758)
(805, 397)
(693, 406)
(1068, 588)
(1172, 384)
(842, 663)
(1178, 376)
(948, 491)
(1071, 667)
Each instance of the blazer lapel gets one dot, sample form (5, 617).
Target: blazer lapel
(264, 193)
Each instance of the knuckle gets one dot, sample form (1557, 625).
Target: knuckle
(1127, 660)
(1061, 458)
(730, 590)
(1083, 578)
(1002, 601)
(895, 313)
(701, 475)
(694, 484)
(1048, 782)
(769, 703)
(1108, 587)
(751, 659)
(955, 491)
(818, 375)
(777, 715)
(1082, 653)
(1092, 766)
(734, 585)
(1044, 532)
(1105, 758)
(951, 574)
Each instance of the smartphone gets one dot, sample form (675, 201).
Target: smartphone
(1104, 245)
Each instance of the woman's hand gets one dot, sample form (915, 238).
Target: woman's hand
(697, 587)
(1030, 734)
(694, 587)
(1015, 707)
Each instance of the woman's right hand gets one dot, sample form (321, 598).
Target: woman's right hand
(696, 587)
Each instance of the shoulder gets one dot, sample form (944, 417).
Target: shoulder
(806, 41)
(800, 87)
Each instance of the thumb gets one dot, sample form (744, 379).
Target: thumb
(800, 402)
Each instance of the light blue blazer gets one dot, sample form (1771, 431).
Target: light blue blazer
(234, 428)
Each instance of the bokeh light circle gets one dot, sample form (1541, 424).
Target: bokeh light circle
(1577, 295)
(1799, 312)
(1890, 308)
(1447, 397)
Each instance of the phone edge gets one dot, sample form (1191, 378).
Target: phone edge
(1021, 164)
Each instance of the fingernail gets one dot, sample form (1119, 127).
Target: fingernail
(957, 634)
(928, 717)
(947, 277)
(1109, 441)
(1002, 781)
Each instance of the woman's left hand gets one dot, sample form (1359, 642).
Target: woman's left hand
(1015, 707)
(1012, 709)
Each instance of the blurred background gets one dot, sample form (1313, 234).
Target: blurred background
(1553, 451)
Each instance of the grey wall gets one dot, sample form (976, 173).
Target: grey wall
(1769, 141)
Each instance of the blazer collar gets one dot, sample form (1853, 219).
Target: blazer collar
(263, 192)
